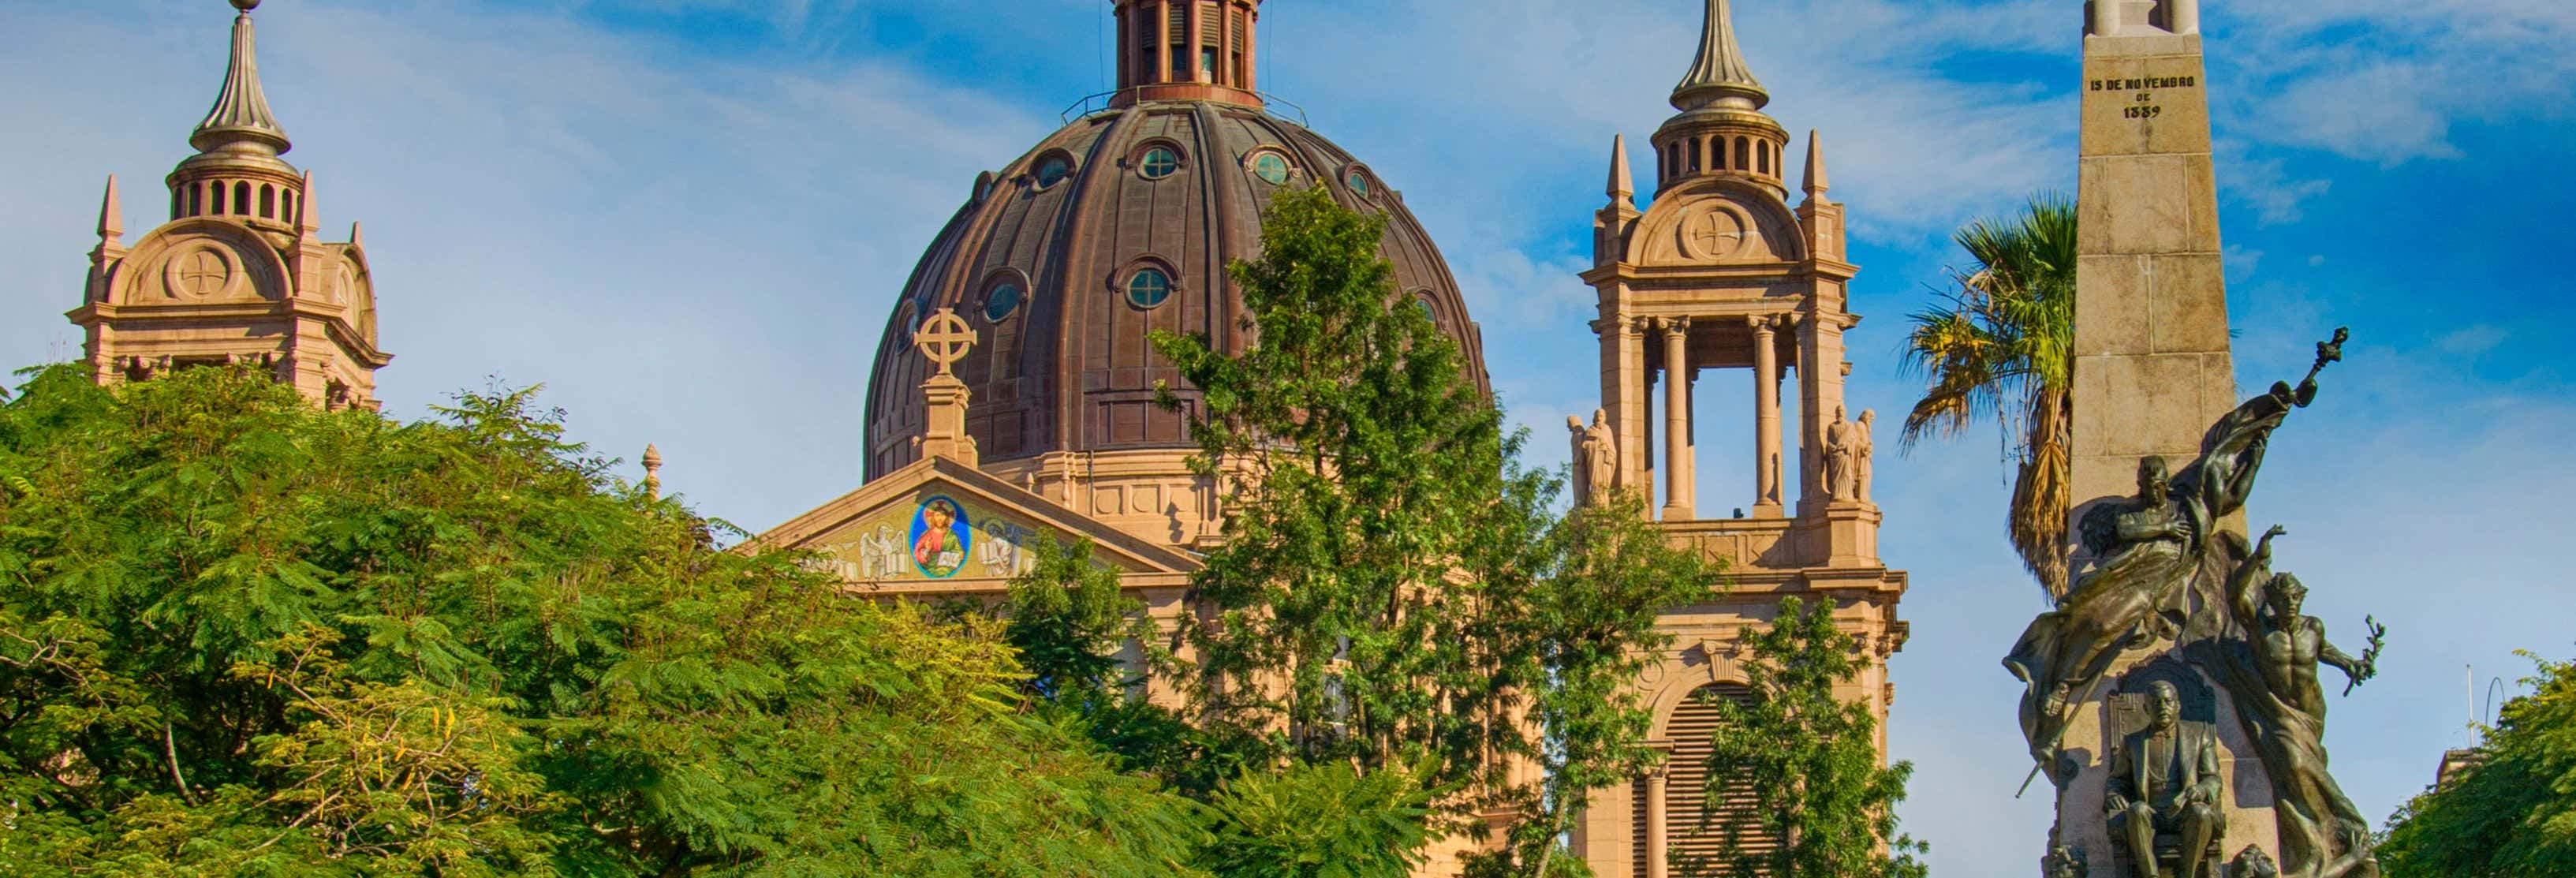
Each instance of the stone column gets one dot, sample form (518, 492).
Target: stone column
(1655, 811)
(1766, 418)
(1162, 41)
(1677, 482)
(1196, 41)
(1251, 49)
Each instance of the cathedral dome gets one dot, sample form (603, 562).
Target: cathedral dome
(1118, 224)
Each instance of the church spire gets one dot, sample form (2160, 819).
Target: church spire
(241, 115)
(1718, 76)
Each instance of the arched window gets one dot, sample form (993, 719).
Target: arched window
(1687, 785)
(1672, 161)
(216, 205)
(1159, 162)
(1358, 181)
(1694, 155)
(1148, 287)
(241, 198)
(289, 213)
(267, 201)
(1766, 156)
(1743, 154)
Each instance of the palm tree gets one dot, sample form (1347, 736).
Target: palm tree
(2002, 345)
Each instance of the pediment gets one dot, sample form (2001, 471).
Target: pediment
(1716, 222)
(888, 532)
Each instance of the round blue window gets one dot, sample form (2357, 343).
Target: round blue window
(1359, 183)
(1160, 162)
(1001, 302)
(1271, 167)
(1148, 288)
(1053, 169)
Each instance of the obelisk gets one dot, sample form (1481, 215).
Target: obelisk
(2152, 369)
(2152, 365)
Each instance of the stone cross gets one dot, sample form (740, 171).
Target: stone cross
(944, 339)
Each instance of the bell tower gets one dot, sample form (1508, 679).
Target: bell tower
(239, 273)
(1722, 273)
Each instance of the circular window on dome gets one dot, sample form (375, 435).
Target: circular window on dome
(1002, 302)
(1053, 169)
(1358, 180)
(1148, 287)
(1159, 162)
(1271, 167)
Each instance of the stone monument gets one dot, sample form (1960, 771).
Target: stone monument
(2165, 593)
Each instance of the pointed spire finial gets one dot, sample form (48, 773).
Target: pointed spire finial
(652, 464)
(358, 235)
(111, 215)
(1718, 76)
(241, 115)
(305, 221)
(1816, 182)
(1622, 185)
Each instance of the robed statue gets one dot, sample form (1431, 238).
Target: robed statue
(1596, 457)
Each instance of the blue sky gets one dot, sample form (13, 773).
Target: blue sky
(690, 218)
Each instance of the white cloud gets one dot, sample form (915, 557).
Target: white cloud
(2386, 80)
(2264, 184)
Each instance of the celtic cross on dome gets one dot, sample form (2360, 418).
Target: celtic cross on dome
(944, 338)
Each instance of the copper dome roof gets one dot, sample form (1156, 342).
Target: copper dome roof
(1177, 187)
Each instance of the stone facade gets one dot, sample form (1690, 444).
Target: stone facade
(1721, 272)
(239, 274)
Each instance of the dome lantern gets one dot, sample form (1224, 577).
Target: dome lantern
(1187, 50)
(1721, 130)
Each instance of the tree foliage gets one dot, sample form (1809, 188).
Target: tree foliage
(2512, 813)
(1393, 589)
(1808, 760)
(2003, 346)
(243, 636)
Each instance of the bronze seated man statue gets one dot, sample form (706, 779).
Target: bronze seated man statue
(2165, 779)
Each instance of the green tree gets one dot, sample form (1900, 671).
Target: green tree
(2512, 814)
(2003, 346)
(1320, 821)
(1393, 588)
(243, 636)
(1808, 761)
